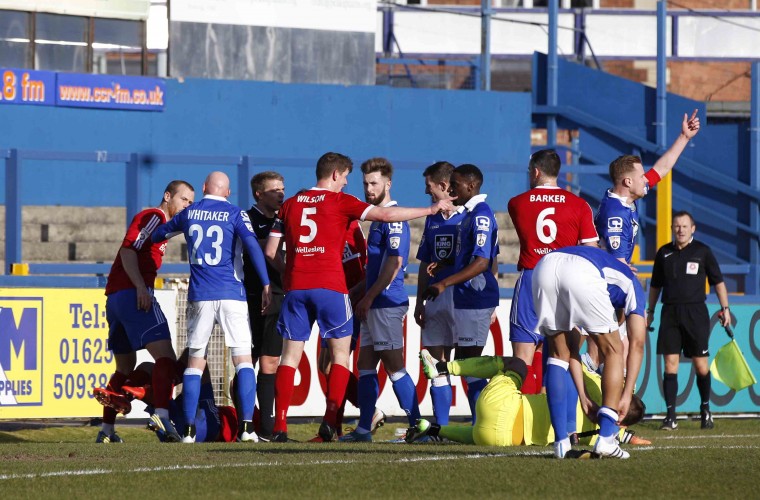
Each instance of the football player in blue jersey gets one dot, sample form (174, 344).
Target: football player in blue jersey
(215, 231)
(476, 291)
(580, 287)
(436, 318)
(383, 307)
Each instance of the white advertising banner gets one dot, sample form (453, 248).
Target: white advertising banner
(329, 15)
(117, 9)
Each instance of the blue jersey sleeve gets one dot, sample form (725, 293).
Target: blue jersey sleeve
(616, 230)
(423, 252)
(397, 239)
(244, 230)
(169, 229)
(483, 236)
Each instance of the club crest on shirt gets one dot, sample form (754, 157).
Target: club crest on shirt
(481, 239)
(614, 242)
(444, 244)
(692, 268)
(615, 224)
(395, 242)
(482, 223)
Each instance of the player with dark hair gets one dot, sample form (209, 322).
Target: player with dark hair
(476, 291)
(216, 231)
(436, 317)
(581, 287)
(313, 225)
(383, 307)
(506, 417)
(268, 190)
(135, 320)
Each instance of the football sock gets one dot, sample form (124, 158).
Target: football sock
(265, 392)
(571, 403)
(352, 390)
(109, 414)
(284, 386)
(477, 367)
(368, 390)
(406, 394)
(441, 395)
(529, 384)
(538, 369)
(457, 433)
(670, 391)
(191, 390)
(246, 387)
(703, 384)
(139, 378)
(336, 393)
(556, 395)
(474, 387)
(162, 380)
(607, 422)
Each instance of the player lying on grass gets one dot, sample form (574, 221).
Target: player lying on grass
(213, 423)
(507, 417)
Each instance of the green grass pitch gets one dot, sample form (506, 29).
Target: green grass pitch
(63, 462)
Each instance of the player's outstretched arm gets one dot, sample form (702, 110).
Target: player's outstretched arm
(689, 128)
(400, 214)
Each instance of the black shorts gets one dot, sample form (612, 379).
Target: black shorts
(684, 327)
(266, 341)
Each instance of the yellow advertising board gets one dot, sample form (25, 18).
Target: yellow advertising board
(53, 352)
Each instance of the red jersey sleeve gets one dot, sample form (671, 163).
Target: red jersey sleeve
(653, 177)
(353, 207)
(587, 228)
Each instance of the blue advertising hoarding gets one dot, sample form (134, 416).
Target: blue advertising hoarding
(25, 86)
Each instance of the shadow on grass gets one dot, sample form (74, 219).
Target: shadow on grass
(6, 437)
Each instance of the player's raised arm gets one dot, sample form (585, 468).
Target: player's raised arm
(689, 128)
(399, 214)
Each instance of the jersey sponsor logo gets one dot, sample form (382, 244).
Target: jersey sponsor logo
(395, 242)
(396, 227)
(614, 242)
(482, 223)
(481, 239)
(20, 351)
(247, 221)
(615, 224)
(444, 244)
(309, 250)
(692, 267)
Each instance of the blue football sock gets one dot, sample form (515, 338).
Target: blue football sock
(607, 422)
(191, 390)
(474, 387)
(406, 393)
(556, 396)
(571, 404)
(368, 390)
(441, 395)
(246, 387)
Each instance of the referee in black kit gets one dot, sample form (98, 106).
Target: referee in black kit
(680, 269)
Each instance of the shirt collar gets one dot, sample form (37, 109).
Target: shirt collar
(470, 205)
(459, 210)
(390, 204)
(214, 197)
(623, 199)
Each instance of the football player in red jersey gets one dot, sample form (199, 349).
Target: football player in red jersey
(313, 225)
(135, 320)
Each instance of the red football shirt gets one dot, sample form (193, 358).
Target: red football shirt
(354, 255)
(547, 218)
(149, 254)
(314, 225)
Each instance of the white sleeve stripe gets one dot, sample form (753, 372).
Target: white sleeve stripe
(366, 211)
(588, 240)
(148, 229)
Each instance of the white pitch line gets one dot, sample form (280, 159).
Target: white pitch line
(714, 436)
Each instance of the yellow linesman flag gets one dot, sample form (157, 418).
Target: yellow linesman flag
(730, 367)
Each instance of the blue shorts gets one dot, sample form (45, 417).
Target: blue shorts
(522, 316)
(354, 335)
(129, 329)
(301, 308)
(207, 421)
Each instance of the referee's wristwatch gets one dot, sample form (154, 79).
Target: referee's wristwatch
(650, 311)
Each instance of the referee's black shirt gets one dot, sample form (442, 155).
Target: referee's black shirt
(681, 273)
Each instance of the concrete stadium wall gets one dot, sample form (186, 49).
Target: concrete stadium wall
(411, 127)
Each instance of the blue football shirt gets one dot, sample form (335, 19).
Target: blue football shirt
(438, 243)
(617, 223)
(388, 239)
(215, 231)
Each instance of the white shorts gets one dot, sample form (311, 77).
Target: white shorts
(231, 315)
(568, 291)
(439, 321)
(384, 328)
(472, 326)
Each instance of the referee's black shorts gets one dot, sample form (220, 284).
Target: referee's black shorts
(265, 339)
(684, 327)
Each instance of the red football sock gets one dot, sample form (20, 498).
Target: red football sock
(529, 384)
(336, 392)
(138, 378)
(538, 369)
(117, 380)
(352, 390)
(163, 382)
(284, 385)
